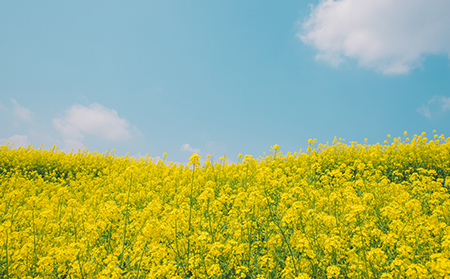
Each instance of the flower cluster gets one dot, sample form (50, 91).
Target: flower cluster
(337, 211)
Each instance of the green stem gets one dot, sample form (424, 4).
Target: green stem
(277, 224)
(249, 230)
(6, 248)
(190, 212)
(126, 222)
(59, 215)
(211, 233)
(34, 245)
(362, 243)
(74, 226)
(177, 249)
(80, 266)
(140, 260)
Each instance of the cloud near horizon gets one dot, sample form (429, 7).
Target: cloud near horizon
(95, 120)
(188, 148)
(435, 106)
(21, 112)
(390, 36)
(18, 140)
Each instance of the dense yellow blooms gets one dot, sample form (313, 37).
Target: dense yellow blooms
(337, 211)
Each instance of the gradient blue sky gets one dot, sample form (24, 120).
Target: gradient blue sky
(221, 77)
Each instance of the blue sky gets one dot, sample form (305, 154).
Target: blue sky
(221, 77)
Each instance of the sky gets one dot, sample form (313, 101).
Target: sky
(221, 77)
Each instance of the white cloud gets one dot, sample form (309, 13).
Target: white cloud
(95, 120)
(390, 36)
(139, 156)
(157, 158)
(23, 113)
(188, 148)
(18, 140)
(435, 106)
(73, 145)
(216, 149)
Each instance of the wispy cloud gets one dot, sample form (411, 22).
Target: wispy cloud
(186, 147)
(95, 120)
(435, 106)
(390, 36)
(216, 149)
(72, 144)
(21, 112)
(139, 156)
(18, 140)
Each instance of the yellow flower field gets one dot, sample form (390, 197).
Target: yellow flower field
(337, 211)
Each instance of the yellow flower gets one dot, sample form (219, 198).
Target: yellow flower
(343, 210)
(333, 272)
(194, 160)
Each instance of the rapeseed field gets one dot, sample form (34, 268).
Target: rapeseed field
(340, 210)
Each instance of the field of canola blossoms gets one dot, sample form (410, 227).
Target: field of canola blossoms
(336, 211)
